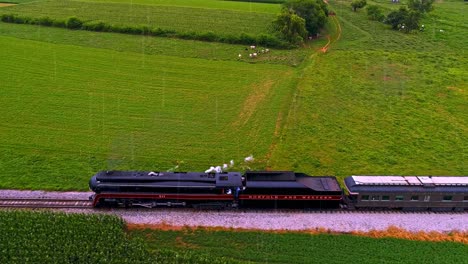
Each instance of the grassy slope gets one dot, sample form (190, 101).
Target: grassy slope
(381, 102)
(260, 247)
(150, 45)
(377, 102)
(219, 21)
(69, 111)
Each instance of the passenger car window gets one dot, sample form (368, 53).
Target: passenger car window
(385, 197)
(365, 197)
(447, 198)
(414, 198)
(399, 198)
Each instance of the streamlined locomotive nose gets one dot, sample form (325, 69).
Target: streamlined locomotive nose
(93, 184)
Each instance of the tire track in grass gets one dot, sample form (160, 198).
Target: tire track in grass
(331, 40)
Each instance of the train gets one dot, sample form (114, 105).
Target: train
(277, 189)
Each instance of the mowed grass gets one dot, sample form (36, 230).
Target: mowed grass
(210, 4)
(181, 19)
(69, 111)
(152, 45)
(258, 247)
(381, 102)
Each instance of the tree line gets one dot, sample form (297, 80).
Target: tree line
(299, 19)
(406, 18)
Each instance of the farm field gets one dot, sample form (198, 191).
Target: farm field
(378, 102)
(251, 6)
(258, 247)
(218, 21)
(46, 237)
(382, 102)
(119, 109)
(34, 237)
(152, 45)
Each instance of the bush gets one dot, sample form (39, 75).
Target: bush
(74, 23)
(162, 32)
(8, 18)
(45, 21)
(59, 23)
(96, 26)
(269, 41)
(186, 35)
(375, 13)
(207, 36)
(247, 39)
(358, 4)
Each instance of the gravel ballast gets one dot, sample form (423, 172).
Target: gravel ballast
(334, 221)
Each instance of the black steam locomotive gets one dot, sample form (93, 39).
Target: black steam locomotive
(276, 189)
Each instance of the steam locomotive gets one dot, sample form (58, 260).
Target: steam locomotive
(277, 189)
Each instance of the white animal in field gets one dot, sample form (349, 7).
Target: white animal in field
(249, 158)
(255, 54)
(250, 55)
(240, 56)
(267, 50)
(252, 47)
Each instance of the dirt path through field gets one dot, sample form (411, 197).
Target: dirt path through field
(334, 38)
(331, 40)
(6, 4)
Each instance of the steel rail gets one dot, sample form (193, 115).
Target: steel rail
(44, 203)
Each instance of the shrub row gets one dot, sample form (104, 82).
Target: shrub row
(100, 26)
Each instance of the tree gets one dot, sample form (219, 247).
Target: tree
(412, 21)
(422, 6)
(404, 19)
(358, 4)
(291, 27)
(374, 12)
(314, 12)
(397, 18)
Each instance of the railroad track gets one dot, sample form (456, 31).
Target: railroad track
(44, 203)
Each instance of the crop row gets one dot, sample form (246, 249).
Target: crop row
(46, 237)
(59, 238)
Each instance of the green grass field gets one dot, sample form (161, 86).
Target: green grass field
(151, 45)
(209, 4)
(381, 102)
(378, 102)
(64, 120)
(218, 21)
